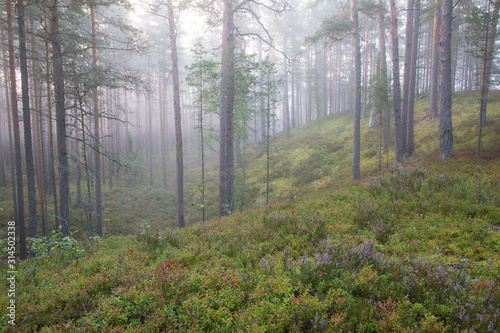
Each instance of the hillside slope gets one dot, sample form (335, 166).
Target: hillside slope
(319, 156)
(415, 249)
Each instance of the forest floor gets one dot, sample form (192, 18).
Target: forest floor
(412, 249)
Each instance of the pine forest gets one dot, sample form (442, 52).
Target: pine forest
(249, 166)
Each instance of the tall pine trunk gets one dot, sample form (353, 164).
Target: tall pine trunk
(202, 144)
(286, 108)
(331, 95)
(445, 91)
(62, 151)
(88, 204)
(97, 143)
(410, 142)
(365, 69)
(78, 161)
(52, 170)
(398, 135)
(268, 146)
(109, 145)
(434, 84)
(117, 148)
(163, 120)
(406, 73)
(226, 151)
(128, 148)
(386, 130)
(262, 109)
(110, 150)
(177, 111)
(39, 136)
(150, 122)
(28, 141)
(357, 99)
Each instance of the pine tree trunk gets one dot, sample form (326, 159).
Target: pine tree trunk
(62, 151)
(268, 148)
(357, 100)
(226, 151)
(88, 204)
(410, 142)
(434, 84)
(177, 111)
(466, 71)
(128, 147)
(202, 145)
(110, 151)
(117, 137)
(97, 143)
(455, 41)
(309, 84)
(365, 70)
(338, 106)
(331, 80)
(28, 141)
(163, 121)
(406, 73)
(286, 109)
(103, 159)
(299, 98)
(150, 123)
(39, 136)
(324, 79)
(117, 142)
(386, 129)
(445, 91)
(262, 109)
(138, 140)
(307, 77)
(52, 171)
(398, 135)
(78, 164)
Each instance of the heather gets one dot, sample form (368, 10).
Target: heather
(411, 250)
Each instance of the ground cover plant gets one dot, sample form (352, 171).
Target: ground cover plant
(415, 248)
(411, 250)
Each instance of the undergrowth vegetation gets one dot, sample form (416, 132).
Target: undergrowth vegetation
(415, 248)
(408, 251)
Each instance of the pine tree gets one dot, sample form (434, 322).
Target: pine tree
(445, 91)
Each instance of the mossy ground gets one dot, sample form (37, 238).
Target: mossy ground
(414, 249)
